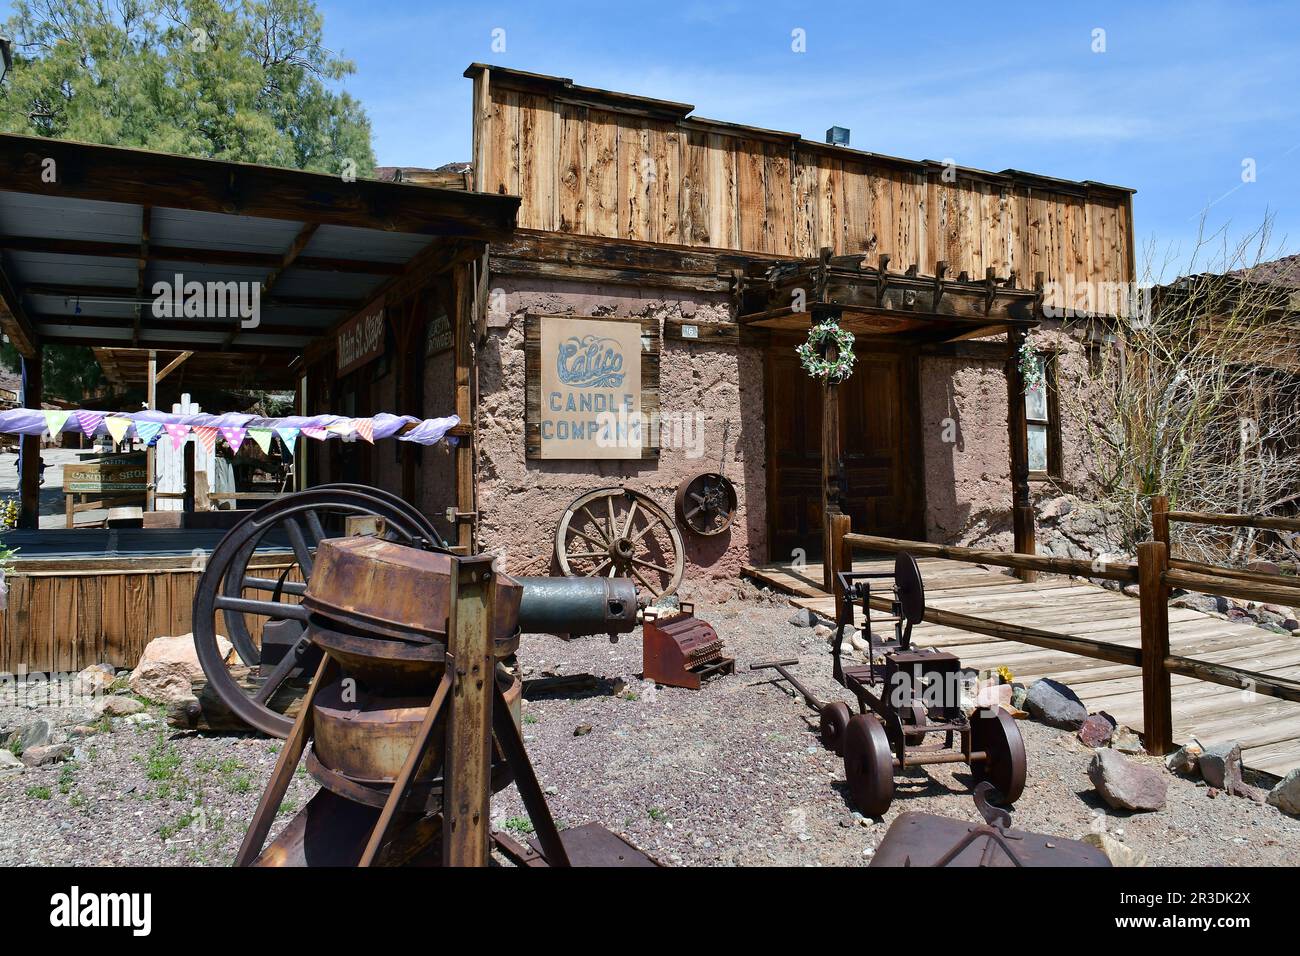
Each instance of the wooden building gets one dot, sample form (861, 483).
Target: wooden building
(709, 246)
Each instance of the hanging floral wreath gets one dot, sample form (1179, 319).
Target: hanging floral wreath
(1031, 367)
(813, 353)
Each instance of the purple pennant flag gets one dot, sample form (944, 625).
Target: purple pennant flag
(89, 422)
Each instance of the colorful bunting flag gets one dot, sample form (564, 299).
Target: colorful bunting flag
(263, 437)
(319, 434)
(289, 436)
(234, 436)
(117, 427)
(365, 427)
(148, 432)
(208, 436)
(89, 422)
(178, 435)
(55, 420)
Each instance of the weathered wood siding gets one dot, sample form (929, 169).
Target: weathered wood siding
(583, 168)
(62, 621)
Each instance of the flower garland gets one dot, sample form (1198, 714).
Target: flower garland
(1031, 367)
(812, 354)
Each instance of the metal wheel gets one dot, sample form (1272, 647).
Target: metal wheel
(868, 765)
(706, 503)
(299, 522)
(999, 737)
(834, 720)
(621, 533)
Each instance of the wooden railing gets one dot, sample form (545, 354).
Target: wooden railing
(1155, 573)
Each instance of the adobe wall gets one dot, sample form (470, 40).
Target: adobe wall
(964, 434)
(521, 501)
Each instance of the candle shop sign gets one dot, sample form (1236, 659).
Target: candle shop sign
(587, 386)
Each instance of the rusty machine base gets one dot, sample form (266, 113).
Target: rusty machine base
(925, 839)
(408, 723)
(680, 650)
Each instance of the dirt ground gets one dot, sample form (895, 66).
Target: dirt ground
(733, 774)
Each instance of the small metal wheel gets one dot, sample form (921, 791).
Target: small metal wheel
(868, 765)
(617, 532)
(1004, 767)
(706, 504)
(834, 719)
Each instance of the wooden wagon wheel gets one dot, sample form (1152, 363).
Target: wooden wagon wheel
(621, 533)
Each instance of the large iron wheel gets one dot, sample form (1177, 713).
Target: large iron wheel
(706, 503)
(230, 586)
(617, 532)
(868, 765)
(1004, 764)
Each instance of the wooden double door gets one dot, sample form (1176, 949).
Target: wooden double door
(880, 443)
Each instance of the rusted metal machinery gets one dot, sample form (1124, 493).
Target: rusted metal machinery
(680, 650)
(924, 839)
(706, 503)
(409, 718)
(911, 694)
(236, 589)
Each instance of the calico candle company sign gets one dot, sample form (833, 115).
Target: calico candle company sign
(112, 473)
(361, 339)
(590, 389)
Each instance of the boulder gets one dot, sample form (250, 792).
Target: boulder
(117, 706)
(824, 632)
(1184, 759)
(47, 755)
(33, 734)
(1221, 766)
(1118, 853)
(162, 682)
(94, 680)
(9, 763)
(178, 650)
(1286, 795)
(1054, 704)
(1127, 741)
(1097, 730)
(1018, 694)
(803, 618)
(1126, 785)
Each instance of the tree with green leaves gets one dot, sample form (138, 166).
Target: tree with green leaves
(241, 80)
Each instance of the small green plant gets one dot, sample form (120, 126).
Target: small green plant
(531, 719)
(631, 695)
(67, 777)
(287, 805)
(162, 761)
(169, 830)
(38, 793)
(658, 815)
(77, 800)
(519, 825)
(16, 746)
(241, 784)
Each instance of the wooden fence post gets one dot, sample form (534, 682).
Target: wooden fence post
(839, 555)
(1157, 715)
(1160, 520)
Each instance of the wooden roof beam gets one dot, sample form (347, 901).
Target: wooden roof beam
(14, 320)
(145, 178)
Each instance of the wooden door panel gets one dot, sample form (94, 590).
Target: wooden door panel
(879, 448)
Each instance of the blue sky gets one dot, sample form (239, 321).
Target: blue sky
(1183, 93)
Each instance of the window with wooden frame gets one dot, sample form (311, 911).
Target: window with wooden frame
(1043, 422)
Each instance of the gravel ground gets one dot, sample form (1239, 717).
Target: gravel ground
(733, 774)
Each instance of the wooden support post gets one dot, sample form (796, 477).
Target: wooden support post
(1022, 512)
(465, 305)
(1157, 716)
(840, 555)
(187, 502)
(29, 505)
(831, 465)
(467, 784)
(150, 467)
(1160, 521)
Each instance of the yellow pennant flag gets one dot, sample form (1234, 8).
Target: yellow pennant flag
(117, 427)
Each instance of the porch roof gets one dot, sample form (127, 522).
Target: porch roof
(86, 231)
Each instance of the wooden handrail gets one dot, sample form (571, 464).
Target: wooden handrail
(1240, 574)
(1121, 571)
(1268, 685)
(1232, 587)
(1267, 522)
